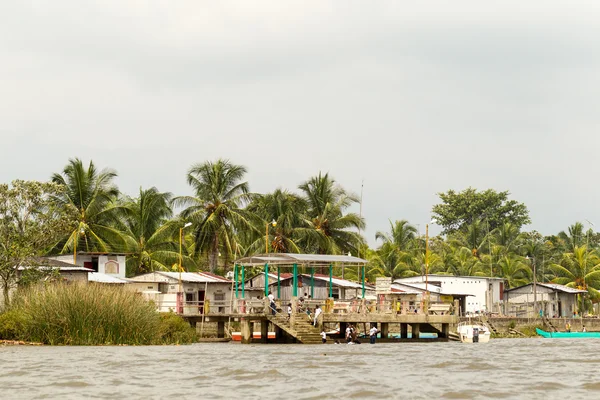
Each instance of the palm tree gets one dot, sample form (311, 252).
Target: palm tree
(286, 210)
(326, 224)
(579, 269)
(216, 209)
(152, 234)
(514, 270)
(402, 235)
(93, 195)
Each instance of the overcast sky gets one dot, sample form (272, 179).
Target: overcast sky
(414, 98)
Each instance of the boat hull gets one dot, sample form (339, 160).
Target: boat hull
(473, 333)
(567, 335)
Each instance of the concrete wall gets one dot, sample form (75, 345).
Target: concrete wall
(107, 263)
(483, 298)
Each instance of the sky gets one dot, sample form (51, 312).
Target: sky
(408, 99)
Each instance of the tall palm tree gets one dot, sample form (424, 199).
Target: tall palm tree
(286, 210)
(327, 226)
(402, 235)
(152, 234)
(93, 194)
(514, 270)
(216, 208)
(579, 269)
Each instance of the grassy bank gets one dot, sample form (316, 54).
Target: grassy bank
(77, 314)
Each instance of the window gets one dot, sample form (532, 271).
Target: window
(111, 267)
(219, 296)
(163, 287)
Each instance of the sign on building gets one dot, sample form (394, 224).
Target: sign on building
(383, 285)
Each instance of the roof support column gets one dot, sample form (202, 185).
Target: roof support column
(363, 281)
(235, 277)
(312, 282)
(295, 288)
(243, 282)
(278, 282)
(331, 280)
(267, 280)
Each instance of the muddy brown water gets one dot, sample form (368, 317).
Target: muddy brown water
(503, 368)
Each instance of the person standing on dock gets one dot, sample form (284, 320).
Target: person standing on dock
(323, 336)
(318, 312)
(373, 334)
(272, 303)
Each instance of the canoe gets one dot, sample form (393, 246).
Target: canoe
(567, 335)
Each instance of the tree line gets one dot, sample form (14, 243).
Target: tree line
(82, 209)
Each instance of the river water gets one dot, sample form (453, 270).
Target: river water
(502, 368)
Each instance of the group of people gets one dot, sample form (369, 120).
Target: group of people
(302, 307)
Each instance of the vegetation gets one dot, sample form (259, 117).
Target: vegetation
(482, 230)
(30, 222)
(89, 315)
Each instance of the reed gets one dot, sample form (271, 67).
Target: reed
(77, 314)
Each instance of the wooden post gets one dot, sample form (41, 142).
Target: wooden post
(264, 331)
(416, 330)
(235, 276)
(245, 331)
(403, 330)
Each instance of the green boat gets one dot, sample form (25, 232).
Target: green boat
(567, 335)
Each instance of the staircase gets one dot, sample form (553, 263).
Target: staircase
(489, 324)
(303, 330)
(549, 324)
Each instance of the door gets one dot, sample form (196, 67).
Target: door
(201, 301)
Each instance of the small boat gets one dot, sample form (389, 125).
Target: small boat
(237, 336)
(567, 335)
(473, 333)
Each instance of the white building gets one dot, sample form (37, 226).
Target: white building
(483, 294)
(112, 264)
(163, 289)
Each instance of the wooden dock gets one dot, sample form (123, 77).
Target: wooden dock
(298, 328)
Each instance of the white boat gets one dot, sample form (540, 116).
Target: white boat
(473, 333)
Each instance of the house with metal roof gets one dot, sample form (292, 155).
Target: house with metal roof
(316, 286)
(552, 299)
(477, 294)
(105, 263)
(188, 293)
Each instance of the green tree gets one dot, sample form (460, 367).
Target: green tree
(458, 210)
(152, 234)
(91, 197)
(514, 270)
(30, 223)
(286, 210)
(217, 208)
(579, 269)
(327, 225)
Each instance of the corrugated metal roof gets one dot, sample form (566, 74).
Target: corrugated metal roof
(336, 281)
(194, 277)
(552, 286)
(104, 278)
(291, 258)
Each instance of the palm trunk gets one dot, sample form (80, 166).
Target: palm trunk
(213, 255)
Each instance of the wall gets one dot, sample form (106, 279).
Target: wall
(520, 302)
(482, 300)
(115, 267)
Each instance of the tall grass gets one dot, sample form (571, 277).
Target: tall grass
(77, 314)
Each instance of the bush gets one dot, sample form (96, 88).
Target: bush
(77, 314)
(174, 329)
(12, 325)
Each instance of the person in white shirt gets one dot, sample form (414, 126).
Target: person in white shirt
(318, 312)
(272, 303)
(289, 310)
(373, 334)
(323, 336)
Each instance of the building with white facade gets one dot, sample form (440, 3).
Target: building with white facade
(198, 289)
(112, 264)
(480, 294)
